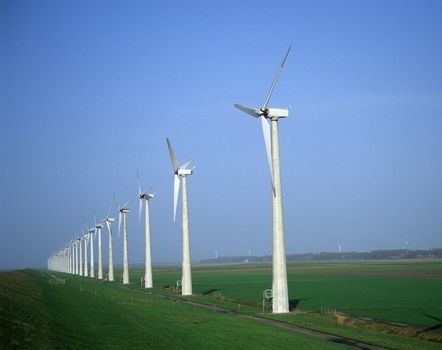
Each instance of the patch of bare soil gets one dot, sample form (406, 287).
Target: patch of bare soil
(408, 331)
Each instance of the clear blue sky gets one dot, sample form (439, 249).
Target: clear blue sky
(91, 89)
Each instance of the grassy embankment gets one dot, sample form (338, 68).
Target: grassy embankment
(89, 314)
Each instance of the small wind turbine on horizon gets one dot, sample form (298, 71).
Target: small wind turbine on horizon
(271, 140)
(182, 171)
(122, 214)
(145, 196)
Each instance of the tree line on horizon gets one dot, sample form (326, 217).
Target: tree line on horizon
(392, 254)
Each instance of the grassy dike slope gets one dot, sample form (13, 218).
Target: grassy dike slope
(87, 314)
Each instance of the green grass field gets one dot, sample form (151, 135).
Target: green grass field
(86, 313)
(403, 292)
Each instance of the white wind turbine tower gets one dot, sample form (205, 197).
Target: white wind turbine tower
(68, 257)
(72, 255)
(80, 271)
(98, 228)
(72, 245)
(108, 220)
(91, 236)
(271, 139)
(122, 214)
(76, 256)
(86, 241)
(183, 171)
(145, 197)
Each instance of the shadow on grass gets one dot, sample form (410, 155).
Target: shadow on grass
(432, 328)
(211, 291)
(293, 303)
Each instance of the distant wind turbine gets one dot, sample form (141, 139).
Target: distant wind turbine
(72, 256)
(92, 235)
(86, 243)
(80, 272)
(271, 140)
(122, 214)
(183, 171)
(98, 228)
(76, 256)
(108, 220)
(145, 196)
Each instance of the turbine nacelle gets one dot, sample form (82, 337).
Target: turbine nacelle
(267, 112)
(184, 172)
(146, 196)
(277, 113)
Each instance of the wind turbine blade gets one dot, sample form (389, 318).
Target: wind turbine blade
(172, 156)
(268, 143)
(254, 112)
(176, 190)
(272, 87)
(108, 212)
(186, 164)
(116, 202)
(109, 227)
(139, 184)
(119, 223)
(125, 204)
(140, 207)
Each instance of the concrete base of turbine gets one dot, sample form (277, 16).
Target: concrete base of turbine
(280, 289)
(125, 252)
(100, 257)
(148, 280)
(186, 280)
(92, 274)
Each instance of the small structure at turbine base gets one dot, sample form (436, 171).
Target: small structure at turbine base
(267, 300)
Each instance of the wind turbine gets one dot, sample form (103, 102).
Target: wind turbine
(92, 235)
(108, 220)
(72, 257)
(86, 241)
(76, 256)
(122, 213)
(98, 228)
(183, 171)
(271, 140)
(145, 197)
(80, 239)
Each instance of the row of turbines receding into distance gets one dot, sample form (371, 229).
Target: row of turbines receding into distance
(73, 257)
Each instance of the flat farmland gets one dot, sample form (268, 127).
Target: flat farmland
(36, 311)
(408, 292)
